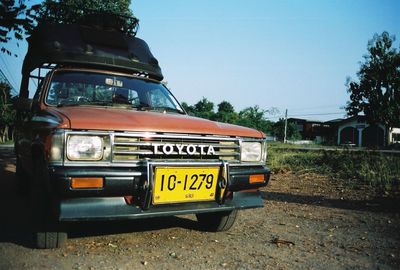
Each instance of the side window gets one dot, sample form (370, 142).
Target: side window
(56, 92)
(159, 99)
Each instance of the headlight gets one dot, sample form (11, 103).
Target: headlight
(81, 147)
(251, 151)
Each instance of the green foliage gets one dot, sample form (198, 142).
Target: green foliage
(7, 112)
(226, 113)
(371, 168)
(377, 94)
(189, 109)
(15, 21)
(225, 107)
(291, 132)
(204, 109)
(105, 13)
(252, 117)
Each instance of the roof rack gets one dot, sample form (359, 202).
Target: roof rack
(87, 46)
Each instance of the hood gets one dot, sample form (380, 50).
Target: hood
(117, 119)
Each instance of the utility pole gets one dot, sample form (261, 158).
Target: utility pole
(284, 139)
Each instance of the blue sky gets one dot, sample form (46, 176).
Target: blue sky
(293, 55)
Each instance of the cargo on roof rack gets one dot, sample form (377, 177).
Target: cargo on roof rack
(89, 46)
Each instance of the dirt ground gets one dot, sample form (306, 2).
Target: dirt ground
(308, 222)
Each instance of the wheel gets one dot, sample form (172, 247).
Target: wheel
(22, 179)
(217, 221)
(46, 240)
(47, 230)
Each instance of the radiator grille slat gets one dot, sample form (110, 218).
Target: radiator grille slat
(128, 148)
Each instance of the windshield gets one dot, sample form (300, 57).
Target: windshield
(69, 88)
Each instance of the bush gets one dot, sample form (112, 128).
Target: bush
(373, 168)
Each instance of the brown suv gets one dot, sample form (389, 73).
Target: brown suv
(104, 139)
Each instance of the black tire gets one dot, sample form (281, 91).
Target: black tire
(22, 179)
(217, 221)
(47, 240)
(48, 232)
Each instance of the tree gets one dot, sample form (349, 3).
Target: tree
(226, 113)
(16, 20)
(254, 117)
(204, 109)
(377, 93)
(108, 13)
(7, 112)
(291, 131)
(189, 109)
(225, 107)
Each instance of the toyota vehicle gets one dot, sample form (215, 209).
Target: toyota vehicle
(104, 139)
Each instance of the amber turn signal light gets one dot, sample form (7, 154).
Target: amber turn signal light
(87, 182)
(256, 178)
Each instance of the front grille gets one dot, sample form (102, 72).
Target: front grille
(130, 148)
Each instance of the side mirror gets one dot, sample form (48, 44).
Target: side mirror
(24, 104)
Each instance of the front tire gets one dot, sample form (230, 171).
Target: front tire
(217, 221)
(48, 232)
(47, 240)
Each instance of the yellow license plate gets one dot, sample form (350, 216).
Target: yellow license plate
(184, 184)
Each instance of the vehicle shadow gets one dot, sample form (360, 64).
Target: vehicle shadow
(101, 228)
(388, 205)
(15, 213)
(16, 218)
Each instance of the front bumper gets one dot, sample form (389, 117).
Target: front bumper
(126, 189)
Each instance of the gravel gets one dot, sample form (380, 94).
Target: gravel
(308, 222)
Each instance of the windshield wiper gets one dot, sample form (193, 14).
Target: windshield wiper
(68, 104)
(166, 109)
(100, 103)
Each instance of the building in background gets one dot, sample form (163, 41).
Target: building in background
(352, 131)
(312, 130)
(356, 131)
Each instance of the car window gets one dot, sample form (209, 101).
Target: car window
(89, 88)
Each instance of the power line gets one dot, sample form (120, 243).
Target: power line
(6, 65)
(316, 107)
(3, 78)
(10, 80)
(310, 114)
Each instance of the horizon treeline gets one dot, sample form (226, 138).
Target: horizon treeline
(252, 117)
